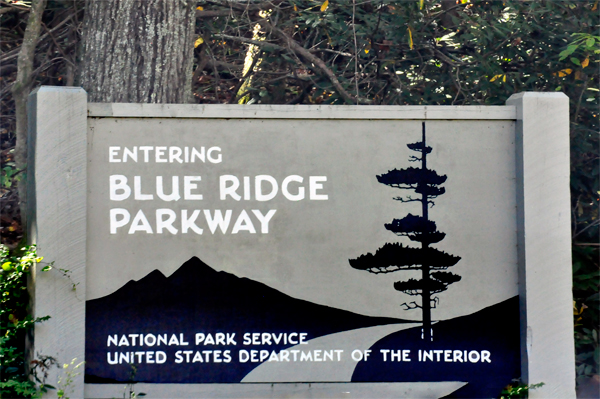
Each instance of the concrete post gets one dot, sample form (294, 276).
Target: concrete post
(57, 224)
(544, 243)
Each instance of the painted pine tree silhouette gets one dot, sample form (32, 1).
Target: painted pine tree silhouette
(392, 257)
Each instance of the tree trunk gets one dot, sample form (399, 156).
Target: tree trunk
(20, 92)
(138, 51)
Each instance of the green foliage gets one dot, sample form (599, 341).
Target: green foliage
(587, 320)
(65, 381)
(129, 391)
(14, 323)
(518, 391)
(9, 175)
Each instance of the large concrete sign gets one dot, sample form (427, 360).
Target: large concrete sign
(296, 251)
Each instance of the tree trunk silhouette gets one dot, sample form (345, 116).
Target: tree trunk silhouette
(426, 294)
(137, 51)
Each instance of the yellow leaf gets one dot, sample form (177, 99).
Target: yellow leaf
(200, 8)
(496, 77)
(410, 39)
(295, 8)
(595, 6)
(585, 62)
(368, 48)
(6, 266)
(198, 42)
(504, 78)
(564, 72)
(421, 4)
(324, 5)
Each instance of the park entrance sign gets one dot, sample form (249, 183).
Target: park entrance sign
(322, 251)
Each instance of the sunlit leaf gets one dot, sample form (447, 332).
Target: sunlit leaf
(585, 62)
(496, 77)
(198, 42)
(590, 42)
(324, 5)
(563, 72)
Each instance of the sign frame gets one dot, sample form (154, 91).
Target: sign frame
(57, 207)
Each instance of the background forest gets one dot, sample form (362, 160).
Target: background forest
(378, 52)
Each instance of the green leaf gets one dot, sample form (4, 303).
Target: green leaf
(565, 53)
(590, 42)
(575, 61)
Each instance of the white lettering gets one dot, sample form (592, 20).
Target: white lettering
(188, 186)
(314, 185)
(161, 223)
(174, 196)
(286, 193)
(115, 223)
(118, 183)
(112, 153)
(258, 189)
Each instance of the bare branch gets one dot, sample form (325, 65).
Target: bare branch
(355, 49)
(9, 7)
(326, 50)
(259, 43)
(304, 53)
(235, 8)
(15, 53)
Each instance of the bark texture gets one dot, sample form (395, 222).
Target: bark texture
(20, 92)
(137, 51)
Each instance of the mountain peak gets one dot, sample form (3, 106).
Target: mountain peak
(154, 278)
(194, 267)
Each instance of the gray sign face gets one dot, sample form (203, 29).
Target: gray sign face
(302, 251)
(228, 251)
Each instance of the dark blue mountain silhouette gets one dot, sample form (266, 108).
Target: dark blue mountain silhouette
(198, 299)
